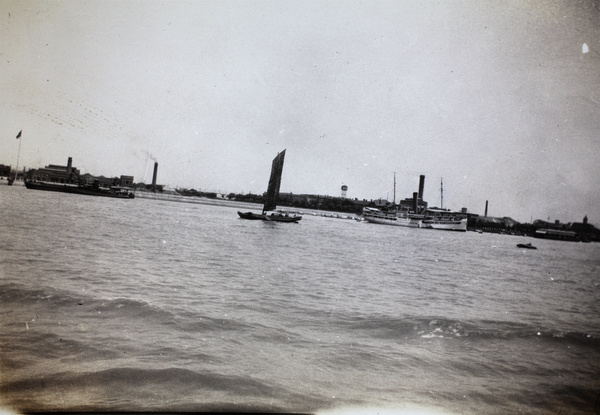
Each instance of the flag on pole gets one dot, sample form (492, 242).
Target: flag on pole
(19, 135)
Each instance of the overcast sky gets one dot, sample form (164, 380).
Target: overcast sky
(500, 99)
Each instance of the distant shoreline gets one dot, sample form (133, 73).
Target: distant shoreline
(233, 204)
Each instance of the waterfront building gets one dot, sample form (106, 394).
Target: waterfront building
(55, 174)
(126, 181)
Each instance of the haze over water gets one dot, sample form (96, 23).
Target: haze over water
(121, 305)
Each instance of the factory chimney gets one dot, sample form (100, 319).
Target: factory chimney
(155, 174)
(421, 186)
(486, 206)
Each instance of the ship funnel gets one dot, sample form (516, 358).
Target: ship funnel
(486, 206)
(416, 202)
(155, 174)
(421, 187)
(70, 165)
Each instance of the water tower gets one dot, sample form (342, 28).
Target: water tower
(344, 191)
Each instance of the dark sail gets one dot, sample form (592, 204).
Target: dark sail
(274, 183)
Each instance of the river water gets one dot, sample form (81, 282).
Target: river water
(150, 305)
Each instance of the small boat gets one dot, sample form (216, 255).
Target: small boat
(272, 196)
(526, 246)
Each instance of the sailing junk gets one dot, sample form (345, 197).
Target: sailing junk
(274, 183)
(272, 196)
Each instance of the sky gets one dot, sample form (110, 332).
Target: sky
(500, 100)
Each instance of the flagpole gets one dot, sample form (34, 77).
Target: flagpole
(18, 154)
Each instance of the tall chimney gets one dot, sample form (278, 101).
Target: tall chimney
(421, 186)
(486, 206)
(69, 165)
(416, 202)
(155, 174)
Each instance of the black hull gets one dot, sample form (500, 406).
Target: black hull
(251, 216)
(274, 217)
(87, 191)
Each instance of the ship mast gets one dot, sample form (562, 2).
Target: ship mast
(442, 193)
(394, 189)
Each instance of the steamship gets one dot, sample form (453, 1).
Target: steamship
(444, 220)
(66, 179)
(403, 215)
(89, 190)
(414, 213)
(373, 215)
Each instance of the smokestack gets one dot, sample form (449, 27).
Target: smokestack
(416, 202)
(486, 206)
(155, 174)
(70, 165)
(421, 186)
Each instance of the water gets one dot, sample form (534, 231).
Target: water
(149, 305)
